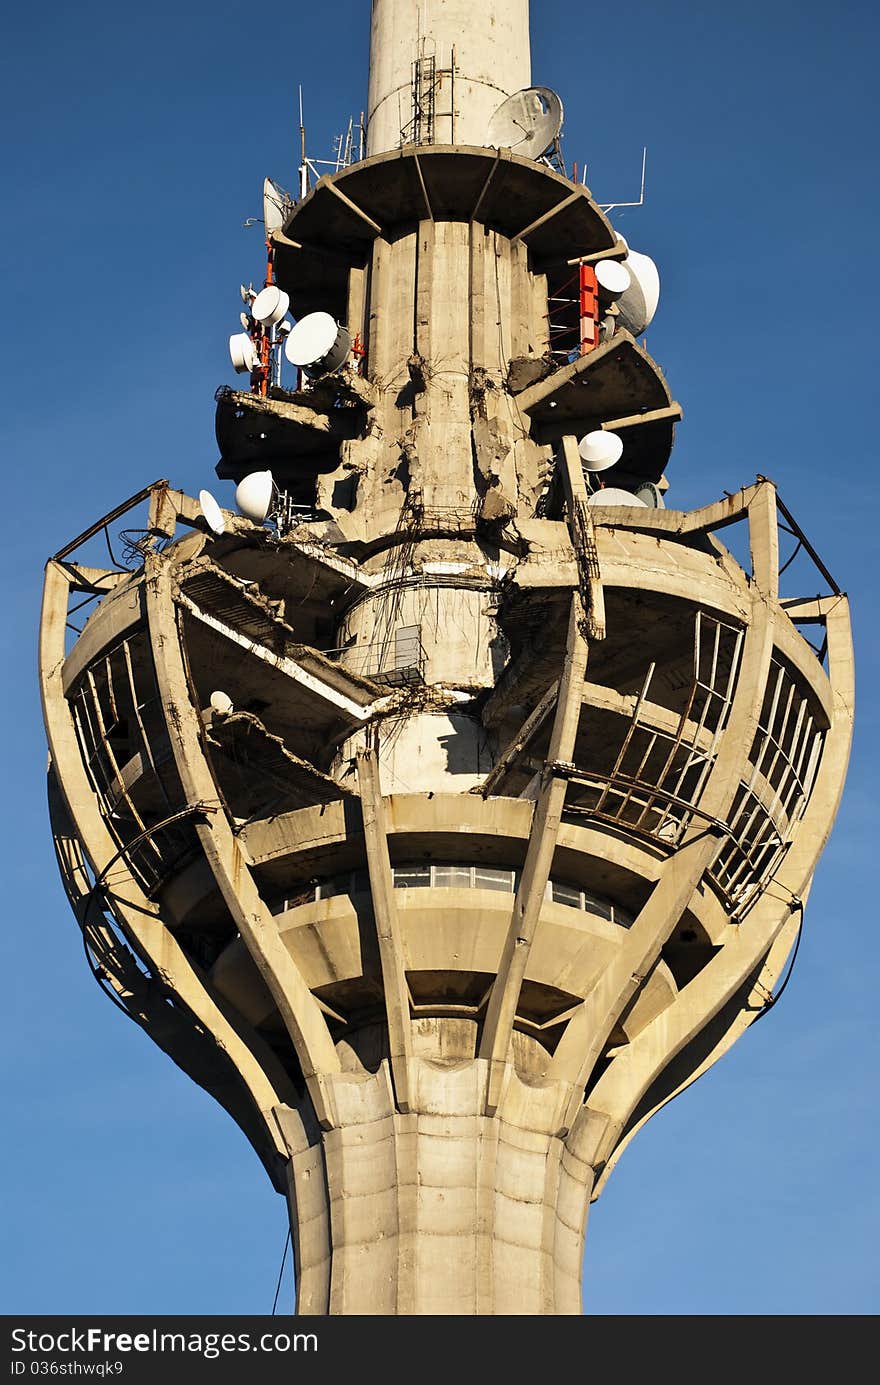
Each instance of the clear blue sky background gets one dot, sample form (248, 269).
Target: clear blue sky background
(137, 141)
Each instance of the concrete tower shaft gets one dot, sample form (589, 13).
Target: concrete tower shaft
(439, 68)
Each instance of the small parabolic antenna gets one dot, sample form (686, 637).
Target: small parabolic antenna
(600, 450)
(613, 495)
(276, 206)
(528, 122)
(241, 353)
(613, 279)
(651, 495)
(637, 306)
(221, 702)
(212, 512)
(317, 344)
(254, 495)
(270, 305)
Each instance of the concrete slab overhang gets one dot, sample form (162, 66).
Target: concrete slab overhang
(327, 839)
(299, 433)
(316, 693)
(293, 563)
(451, 939)
(598, 391)
(334, 226)
(258, 768)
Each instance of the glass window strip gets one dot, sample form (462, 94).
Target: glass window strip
(457, 875)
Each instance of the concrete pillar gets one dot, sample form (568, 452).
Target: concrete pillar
(479, 50)
(439, 1211)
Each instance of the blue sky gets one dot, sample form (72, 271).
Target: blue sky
(137, 141)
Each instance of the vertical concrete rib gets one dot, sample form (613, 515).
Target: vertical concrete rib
(498, 1028)
(580, 525)
(387, 924)
(302, 1016)
(631, 1073)
(259, 1069)
(588, 1032)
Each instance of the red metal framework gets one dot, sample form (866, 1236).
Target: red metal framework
(588, 294)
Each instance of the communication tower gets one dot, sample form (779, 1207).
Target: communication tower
(450, 804)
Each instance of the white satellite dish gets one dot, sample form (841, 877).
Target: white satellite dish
(270, 305)
(276, 206)
(317, 344)
(651, 495)
(527, 123)
(600, 450)
(212, 512)
(221, 702)
(244, 320)
(613, 278)
(254, 494)
(613, 495)
(637, 306)
(242, 354)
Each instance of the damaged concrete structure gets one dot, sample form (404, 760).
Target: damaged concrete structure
(448, 830)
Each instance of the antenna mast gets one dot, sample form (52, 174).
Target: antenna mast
(303, 163)
(611, 206)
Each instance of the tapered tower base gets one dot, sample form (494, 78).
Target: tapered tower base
(442, 1210)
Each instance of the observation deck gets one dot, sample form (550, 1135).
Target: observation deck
(655, 815)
